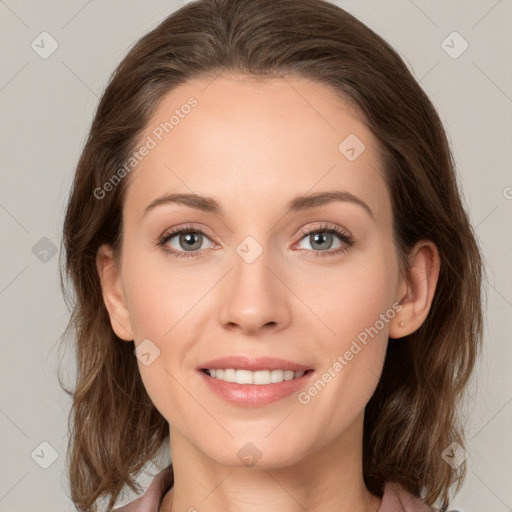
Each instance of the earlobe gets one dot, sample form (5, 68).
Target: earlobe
(113, 294)
(420, 284)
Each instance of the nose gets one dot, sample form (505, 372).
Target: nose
(254, 297)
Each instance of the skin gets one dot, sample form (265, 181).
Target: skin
(253, 146)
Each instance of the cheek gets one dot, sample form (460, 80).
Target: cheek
(351, 360)
(356, 306)
(351, 297)
(159, 296)
(164, 305)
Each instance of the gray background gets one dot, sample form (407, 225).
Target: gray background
(46, 106)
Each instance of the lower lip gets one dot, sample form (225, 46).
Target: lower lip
(254, 395)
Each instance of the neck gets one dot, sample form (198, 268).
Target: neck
(329, 478)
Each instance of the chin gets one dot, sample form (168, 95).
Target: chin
(258, 453)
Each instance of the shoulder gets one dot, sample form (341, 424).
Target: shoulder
(154, 494)
(397, 499)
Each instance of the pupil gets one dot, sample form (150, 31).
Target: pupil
(189, 240)
(322, 237)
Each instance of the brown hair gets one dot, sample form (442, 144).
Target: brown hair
(114, 427)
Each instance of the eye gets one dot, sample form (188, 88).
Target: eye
(187, 241)
(184, 242)
(323, 237)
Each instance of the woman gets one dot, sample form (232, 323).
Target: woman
(232, 142)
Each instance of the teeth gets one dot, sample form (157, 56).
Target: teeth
(261, 377)
(229, 375)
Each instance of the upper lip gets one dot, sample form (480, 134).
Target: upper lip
(253, 364)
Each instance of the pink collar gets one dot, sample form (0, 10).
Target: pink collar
(397, 499)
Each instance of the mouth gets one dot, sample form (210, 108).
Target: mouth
(258, 377)
(254, 381)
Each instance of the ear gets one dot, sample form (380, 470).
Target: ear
(416, 289)
(113, 293)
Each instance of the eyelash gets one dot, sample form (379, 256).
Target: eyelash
(347, 239)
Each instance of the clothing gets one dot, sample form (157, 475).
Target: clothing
(395, 498)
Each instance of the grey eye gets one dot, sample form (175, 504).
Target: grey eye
(187, 241)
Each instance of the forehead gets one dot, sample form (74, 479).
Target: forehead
(244, 140)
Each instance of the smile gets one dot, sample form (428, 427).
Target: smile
(246, 381)
(259, 377)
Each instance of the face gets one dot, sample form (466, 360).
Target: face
(260, 271)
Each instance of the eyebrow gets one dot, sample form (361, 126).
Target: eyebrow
(300, 203)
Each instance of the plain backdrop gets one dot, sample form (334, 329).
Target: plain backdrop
(46, 107)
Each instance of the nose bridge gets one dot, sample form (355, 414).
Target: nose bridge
(253, 296)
